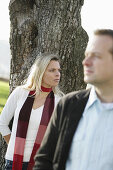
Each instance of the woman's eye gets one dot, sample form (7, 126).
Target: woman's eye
(51, 70)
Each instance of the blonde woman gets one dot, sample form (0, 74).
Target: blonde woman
(31, 105)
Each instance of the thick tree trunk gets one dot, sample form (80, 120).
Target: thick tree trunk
(47, 26)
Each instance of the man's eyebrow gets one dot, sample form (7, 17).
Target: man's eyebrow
(92, 53)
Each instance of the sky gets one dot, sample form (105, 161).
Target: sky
(4, 20)
(97, 14)
(94, 14)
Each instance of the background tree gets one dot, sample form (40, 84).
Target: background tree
(46, 26)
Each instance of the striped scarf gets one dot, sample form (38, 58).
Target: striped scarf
(22, 126)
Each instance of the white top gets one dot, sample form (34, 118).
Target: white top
(92, 144)
(12, 108)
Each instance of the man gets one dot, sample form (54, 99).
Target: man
(80, 134)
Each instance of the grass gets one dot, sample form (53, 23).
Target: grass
(4, 93)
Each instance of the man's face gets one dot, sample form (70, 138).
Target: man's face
(98, 62)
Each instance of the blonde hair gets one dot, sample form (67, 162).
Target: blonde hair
(34, 79)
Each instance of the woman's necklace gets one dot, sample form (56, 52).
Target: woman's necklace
(44, 89)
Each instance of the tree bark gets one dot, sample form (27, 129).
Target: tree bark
(47, 26)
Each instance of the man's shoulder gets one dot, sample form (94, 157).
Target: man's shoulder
(81, 94)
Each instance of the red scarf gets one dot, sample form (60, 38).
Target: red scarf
(22, 127)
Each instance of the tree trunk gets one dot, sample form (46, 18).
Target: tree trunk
(47, 26)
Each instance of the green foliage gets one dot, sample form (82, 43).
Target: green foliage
(4, 92)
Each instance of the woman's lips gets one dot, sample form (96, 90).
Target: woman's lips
(57, 80)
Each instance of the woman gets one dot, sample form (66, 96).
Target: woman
(31, 105)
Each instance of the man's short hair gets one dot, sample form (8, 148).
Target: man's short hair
(107, 32)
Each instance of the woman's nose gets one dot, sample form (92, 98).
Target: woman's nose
(57, 73)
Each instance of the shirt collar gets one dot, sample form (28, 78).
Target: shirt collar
(92, 98)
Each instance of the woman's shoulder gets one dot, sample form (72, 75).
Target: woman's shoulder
(19, 90)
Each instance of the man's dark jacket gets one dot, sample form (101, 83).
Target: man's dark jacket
(55, 147)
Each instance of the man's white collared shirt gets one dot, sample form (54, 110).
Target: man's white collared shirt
(92, 144)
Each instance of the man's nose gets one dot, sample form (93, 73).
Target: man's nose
(86, 61)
